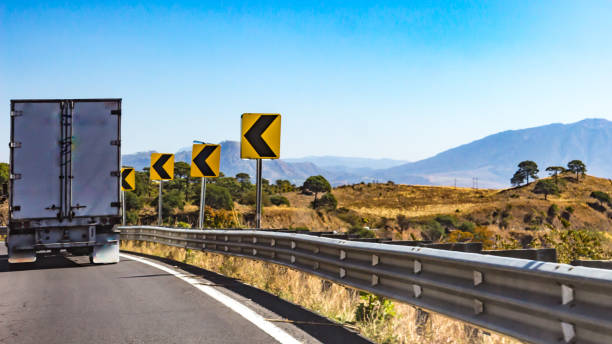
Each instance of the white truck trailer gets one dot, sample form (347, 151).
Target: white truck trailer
(65, 166)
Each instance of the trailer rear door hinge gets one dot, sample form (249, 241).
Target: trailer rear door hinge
(16, 113)
(116, 112)
(16, 176)
(15, 144)
(116, 204)
(16, 208)
(115, 143)
(115, 173)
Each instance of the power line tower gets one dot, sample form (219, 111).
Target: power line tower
(475, 183)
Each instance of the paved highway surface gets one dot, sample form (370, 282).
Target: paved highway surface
(67, 300)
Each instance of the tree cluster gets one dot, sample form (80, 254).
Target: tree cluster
(221, 192)
(529, 169)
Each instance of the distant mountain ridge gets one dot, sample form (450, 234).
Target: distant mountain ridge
(492, 159)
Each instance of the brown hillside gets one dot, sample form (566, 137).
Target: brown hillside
(514, 209)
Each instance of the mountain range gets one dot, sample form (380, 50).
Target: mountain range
(487, 162)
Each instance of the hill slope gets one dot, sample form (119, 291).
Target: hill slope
(493, 159)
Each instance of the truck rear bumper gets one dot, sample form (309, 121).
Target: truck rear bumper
(22, 248)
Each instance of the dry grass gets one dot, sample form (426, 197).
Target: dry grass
(381, 204)
(331, 300)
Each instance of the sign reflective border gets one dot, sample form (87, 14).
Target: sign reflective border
(162, 166)
(205, 160)
(260, 137)
(128, 179)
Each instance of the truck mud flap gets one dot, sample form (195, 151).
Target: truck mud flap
(107, 249)
(21, 249)
(25, 256)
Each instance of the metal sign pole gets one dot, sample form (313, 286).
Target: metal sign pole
(123, 205)
(202, 203)
(159, 210)
(258, 209)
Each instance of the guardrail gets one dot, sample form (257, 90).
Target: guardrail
(530, 300)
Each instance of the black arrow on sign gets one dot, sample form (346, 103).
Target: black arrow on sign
(253, 135)
(124, 175)
(158, 166)
(200, 161)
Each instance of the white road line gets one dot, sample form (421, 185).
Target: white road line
(244, 311)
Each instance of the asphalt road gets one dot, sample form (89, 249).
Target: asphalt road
(67, 300)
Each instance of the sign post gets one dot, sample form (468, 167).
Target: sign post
(260, 139)
(128, 183)
(202, 204)
(162, 168)
(205, 161)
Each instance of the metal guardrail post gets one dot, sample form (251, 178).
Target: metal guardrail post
(422, 322)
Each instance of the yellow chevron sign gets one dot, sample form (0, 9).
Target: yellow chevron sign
(205, 160)
(260, 137)
(128, 179)
(162, 166)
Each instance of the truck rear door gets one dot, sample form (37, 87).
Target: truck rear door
(95, 157)
(35, 159)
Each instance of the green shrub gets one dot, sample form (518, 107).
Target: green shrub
(432, 230)
(327, 201)
(279, 200)
(182, 224)
(572, 244)
(217, 197)
(132, 201)
(446, 220)
(373, 307)
(362, 232)
(467, 226)
(553, 210)
(250, 198)
(348, 216)
(565, 222)
(131, 218)
(601, 197)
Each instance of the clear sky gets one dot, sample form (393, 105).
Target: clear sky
(401, 80)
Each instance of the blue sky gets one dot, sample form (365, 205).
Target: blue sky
(401, 80)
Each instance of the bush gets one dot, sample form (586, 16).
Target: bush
(131, 218)
(217, 197)
(403, 222)
(373, 307)
(132, 201)
(565, 222)
(361, 232)
(574, 244)
(446, 220)
(250, 198)
(349, 217)
(553, 210)
(601, 196)
(279, 200)
(432, 230)
(546, 187)
(327, 201)
(467, 226)
(182, 224)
